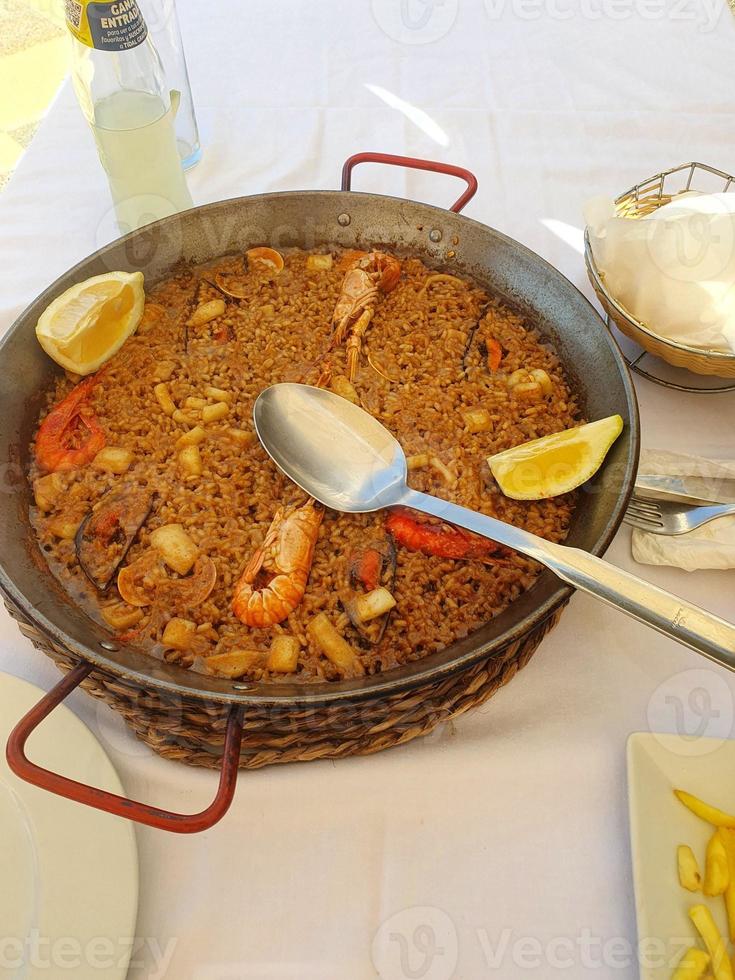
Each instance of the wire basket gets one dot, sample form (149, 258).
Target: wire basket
(640, 200)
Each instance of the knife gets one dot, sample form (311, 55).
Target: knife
(692, 489)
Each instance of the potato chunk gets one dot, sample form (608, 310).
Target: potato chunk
(112, 459)
(191, 438)
(212, 413)
(319, 263)
(334, 646)
(283, 657)
(218, 394)
(175, 547)
(417, 462)
(477, 420)
(370, 605)
(242, 436)
(163, 396)
(194, 402)
(47, 490)
(190, 461)
(121, 616)
(181, 417)
(235, 663)
(179, 633)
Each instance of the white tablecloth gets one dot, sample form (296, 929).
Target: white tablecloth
(498, 846)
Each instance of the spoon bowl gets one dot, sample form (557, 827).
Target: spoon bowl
(332, 449)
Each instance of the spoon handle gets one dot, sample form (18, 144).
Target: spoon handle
(704, 632)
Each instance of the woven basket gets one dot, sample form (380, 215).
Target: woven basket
(190, 730)
(637, 202)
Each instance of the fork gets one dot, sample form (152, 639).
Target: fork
(668, 517)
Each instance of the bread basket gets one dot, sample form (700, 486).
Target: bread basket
(637, 202)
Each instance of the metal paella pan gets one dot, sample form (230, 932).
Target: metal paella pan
(199, 718)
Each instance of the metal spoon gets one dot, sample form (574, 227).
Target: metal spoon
(343, 457)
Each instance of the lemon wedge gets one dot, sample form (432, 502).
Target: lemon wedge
(91, 320)
(557, 463)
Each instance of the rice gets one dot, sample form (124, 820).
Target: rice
(418, 374)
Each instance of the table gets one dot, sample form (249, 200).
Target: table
(498, 846)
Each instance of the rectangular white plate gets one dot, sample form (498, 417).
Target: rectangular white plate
(658, 764)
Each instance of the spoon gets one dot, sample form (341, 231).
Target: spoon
(344, 458)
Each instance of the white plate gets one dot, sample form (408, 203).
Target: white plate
(69, 874)
(658, 764)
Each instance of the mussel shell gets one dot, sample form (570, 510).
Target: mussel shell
(108, 531)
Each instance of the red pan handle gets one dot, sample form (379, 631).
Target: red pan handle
(414, 164)
(179, 823)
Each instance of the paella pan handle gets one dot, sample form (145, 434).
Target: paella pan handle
(180, 823)
(413, 163)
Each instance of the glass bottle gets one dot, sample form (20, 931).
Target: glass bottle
(163, 25)
(122, 91)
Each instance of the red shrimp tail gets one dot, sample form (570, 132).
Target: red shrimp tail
(443, 540)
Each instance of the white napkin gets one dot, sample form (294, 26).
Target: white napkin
(673, 270)
(711, 546)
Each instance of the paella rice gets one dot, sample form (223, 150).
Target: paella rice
(163, 531)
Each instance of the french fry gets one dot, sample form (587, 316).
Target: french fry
(692, 966)
(707, 929)
(689, 874)
(709, 813)
(716, 869)
(727, 837)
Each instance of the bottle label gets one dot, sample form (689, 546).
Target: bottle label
(108, 25)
